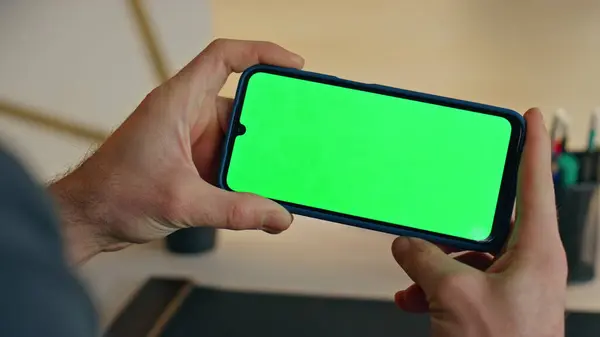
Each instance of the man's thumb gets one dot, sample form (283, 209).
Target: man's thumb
(425, 263)
(239, 211)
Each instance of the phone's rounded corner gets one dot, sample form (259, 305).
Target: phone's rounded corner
(261, 68)
(271, 69)
(518, 126)
(490, 244)
(523, 134)
(516, 119)
(247, 74)
(520, 118)
(496, 240)
(460, 244)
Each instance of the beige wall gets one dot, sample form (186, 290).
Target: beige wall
(513, 53)
(84, 62)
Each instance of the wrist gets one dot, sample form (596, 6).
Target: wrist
(83, 216)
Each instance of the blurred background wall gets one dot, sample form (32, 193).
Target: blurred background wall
(70, 71)
(85, 63)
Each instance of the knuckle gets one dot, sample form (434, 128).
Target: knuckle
(237, 215)
(173, 204)
(413, 253)
(153, 93)
(419, 252)
(456, 286)
(216, 49)
(151, 98)
(267, 44)
(553, 265)
(218, 43)
(251, 51)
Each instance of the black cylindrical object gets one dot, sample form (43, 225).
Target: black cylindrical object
(578, 222)
(192, 240)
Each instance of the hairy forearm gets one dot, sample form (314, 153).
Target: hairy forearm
(82, 218)
(79, 235)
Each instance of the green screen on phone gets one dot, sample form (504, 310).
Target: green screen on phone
(368, 155)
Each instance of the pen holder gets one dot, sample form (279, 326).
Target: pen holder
(578, 222)
(589, 162)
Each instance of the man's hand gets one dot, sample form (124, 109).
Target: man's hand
(522, 293)
(156, 173)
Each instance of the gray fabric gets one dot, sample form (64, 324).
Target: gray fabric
(38, 294)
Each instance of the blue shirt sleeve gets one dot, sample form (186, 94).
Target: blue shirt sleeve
(39, 295)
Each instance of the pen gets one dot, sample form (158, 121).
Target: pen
(594, 119)
(559, 125)
(568, 166)
(559, 128)
(589, 159)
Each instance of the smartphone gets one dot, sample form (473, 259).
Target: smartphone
(375, 157)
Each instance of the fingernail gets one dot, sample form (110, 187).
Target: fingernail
(535, 111)
(297, 59)
(270, 230)
(276, 222)
(401, 244)
(398, 298)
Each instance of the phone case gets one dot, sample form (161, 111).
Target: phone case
(504, 209)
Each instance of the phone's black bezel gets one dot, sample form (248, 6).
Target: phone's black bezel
(506, 196)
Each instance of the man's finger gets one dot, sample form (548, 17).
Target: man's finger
(413, 299)
(210, 206)
(248, 211)
(426, 264)
(477, 260)
(224, 107)
(536, 227)
(223, 56)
